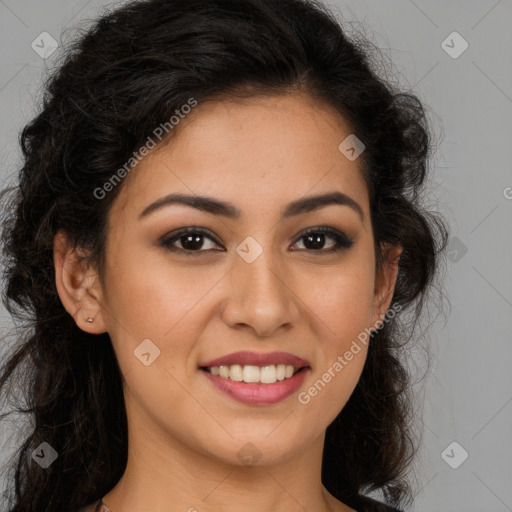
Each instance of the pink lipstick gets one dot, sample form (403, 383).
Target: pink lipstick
(256, 378)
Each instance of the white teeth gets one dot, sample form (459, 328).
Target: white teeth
(253, 374)
(268, 374)
(237, 373)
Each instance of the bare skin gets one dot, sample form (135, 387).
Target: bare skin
(184, 434)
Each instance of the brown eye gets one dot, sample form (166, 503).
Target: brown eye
(315, 239)
(191, 240)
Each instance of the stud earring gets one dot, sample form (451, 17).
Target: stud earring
(89, 320)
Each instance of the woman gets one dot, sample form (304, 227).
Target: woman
(216, 231)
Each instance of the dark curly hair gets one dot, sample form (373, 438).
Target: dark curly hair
(125, 75)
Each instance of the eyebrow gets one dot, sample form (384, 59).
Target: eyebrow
(216, 207)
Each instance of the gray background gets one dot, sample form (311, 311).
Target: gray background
(468, 393)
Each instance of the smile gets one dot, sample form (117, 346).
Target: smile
(254, 374)
(257, 392)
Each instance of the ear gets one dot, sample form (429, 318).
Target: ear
(385, 280)
(78, 286)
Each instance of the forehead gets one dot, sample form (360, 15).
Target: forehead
(269, 149)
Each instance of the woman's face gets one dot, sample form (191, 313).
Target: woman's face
(246, 282)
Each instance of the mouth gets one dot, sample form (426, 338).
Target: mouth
(256, 367)
(256, 385)
(251, 374)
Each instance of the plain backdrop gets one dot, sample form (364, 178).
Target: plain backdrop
(456, 56)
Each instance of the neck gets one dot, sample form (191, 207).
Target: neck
(164, 474)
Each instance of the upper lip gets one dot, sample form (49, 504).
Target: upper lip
(257, 359)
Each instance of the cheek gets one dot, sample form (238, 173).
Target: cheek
(341, 302)
(328, 392)
(150, 294)
(340, 297)
(343, 318)
(168, 305)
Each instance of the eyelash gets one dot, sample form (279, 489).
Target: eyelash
(343, 242)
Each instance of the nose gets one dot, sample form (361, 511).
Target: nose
(260, 297)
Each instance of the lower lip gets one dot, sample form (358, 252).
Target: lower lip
(258, 394)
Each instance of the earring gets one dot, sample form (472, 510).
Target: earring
(89, 320)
